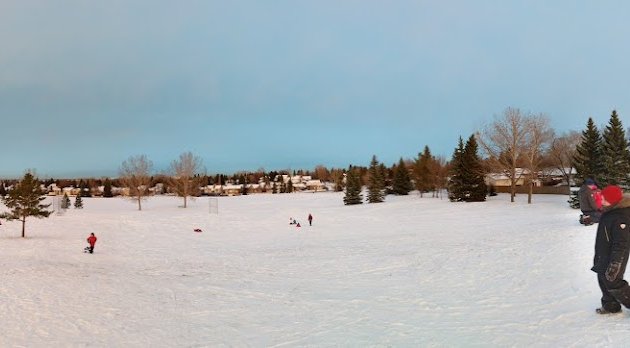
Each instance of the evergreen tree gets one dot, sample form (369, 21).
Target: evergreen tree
(588, 162)
(78, 202)
(474, 175)
(402, 182)
(274, 188)
(244, 189)
(353, 188)
(3, 190)
(385, 175)
(615, 154)
(457, 173)
(107, 188)
(574, 200)
(290, 186)
(422, 170)
(376, 182)
(65, 201)
(85, 189)
(24, 200)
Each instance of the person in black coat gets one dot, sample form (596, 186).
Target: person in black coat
(588, 205)
(611, 250)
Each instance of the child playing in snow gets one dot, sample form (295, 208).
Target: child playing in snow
(91, 240)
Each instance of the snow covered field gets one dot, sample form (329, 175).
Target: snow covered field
(411, 272)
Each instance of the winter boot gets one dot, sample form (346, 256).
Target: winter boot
(622, 295)
(603, 310)
(586, 220)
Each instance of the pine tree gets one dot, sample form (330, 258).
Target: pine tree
(24, 200)
(384, 172)
(274, 188)
(376, 182)
(457, 173)
(422, 171)
(3, 190)
(402, 182)
(290, 186)
(107, 188)
(588, 154)
(353, 188)
(85, 189)
(615, 154)
(65, 201)
(78, 202)
(574, 200)
(474, 175)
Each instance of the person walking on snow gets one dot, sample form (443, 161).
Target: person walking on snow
(91, 240)
(310, 220)
(612, 249)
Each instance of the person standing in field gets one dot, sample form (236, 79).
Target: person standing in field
(91, 241)
(612, 249)
(310, 220)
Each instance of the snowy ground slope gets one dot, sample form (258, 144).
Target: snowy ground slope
(409, 272)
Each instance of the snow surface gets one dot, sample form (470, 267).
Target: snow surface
(411, 272)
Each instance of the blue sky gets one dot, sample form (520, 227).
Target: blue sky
(293, 84)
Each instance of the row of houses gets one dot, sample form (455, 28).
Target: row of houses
(545, 177)
(299, 183)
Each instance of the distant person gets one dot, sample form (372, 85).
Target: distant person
(298, 225)
(91, 241)
(612, 249)
(310, 220)
(588, 197)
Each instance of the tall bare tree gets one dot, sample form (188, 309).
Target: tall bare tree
(504, 142)
(539, 136)
(135, 174)
(562, 152)
(185, 181)
(322, 173)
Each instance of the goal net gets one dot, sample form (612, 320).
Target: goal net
(214, 205)
(57, 205)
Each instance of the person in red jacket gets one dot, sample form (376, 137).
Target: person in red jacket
(91, 240)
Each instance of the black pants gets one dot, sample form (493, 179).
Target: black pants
(614, 293)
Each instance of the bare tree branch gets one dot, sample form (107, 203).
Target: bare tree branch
(184, 171)
(562, 152)
(135, 174)
(504, 143)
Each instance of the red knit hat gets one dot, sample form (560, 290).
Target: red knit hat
(612, 194)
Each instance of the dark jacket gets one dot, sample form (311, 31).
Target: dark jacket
(587, 201)
(613, 237)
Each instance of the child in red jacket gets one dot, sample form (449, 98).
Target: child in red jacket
(91, 240)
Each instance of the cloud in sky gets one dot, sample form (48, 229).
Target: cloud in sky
(250, 84)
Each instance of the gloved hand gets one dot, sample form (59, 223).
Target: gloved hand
(613, 271)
